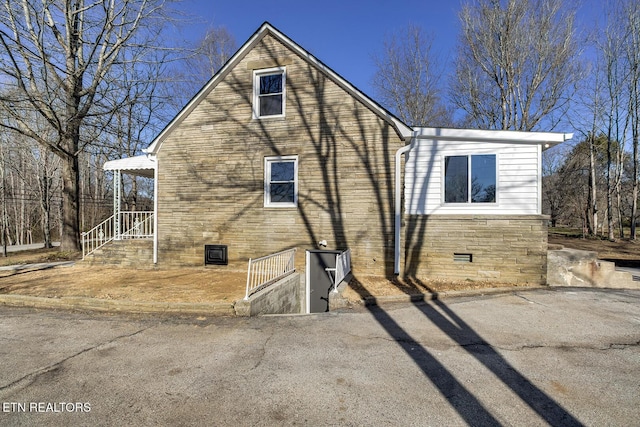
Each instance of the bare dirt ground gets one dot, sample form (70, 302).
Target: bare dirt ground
(200, 284)
(197, 284)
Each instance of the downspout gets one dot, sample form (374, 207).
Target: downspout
(155, 207)
(398, 207)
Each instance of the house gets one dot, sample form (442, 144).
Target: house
(278, 151)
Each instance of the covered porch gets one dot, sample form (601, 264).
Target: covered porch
(123, 225)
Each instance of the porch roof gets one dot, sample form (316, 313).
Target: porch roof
(138, 165)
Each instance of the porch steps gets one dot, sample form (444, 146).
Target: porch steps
(126, 253)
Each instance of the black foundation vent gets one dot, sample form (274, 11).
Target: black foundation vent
(215, 255)
(462, 257)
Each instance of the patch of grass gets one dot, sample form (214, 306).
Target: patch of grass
(565, 231)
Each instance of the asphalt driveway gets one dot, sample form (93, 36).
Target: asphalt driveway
(558, 357)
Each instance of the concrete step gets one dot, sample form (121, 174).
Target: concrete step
(572, 267)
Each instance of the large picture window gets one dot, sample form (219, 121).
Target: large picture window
(281, 181)
(470, 179)
(269, 93)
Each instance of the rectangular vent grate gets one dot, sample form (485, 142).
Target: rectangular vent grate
(215, 255)
(462, 257)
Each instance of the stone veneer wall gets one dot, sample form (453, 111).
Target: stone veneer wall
(504, 249)
(211, 171)
(127, 253)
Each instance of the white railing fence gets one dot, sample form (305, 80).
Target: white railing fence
(133, 225)
(136, 225)
(343, 267)
(268, 269)
(97, 237)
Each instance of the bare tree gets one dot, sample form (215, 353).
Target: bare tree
(57, 58)
(516, 63)
(408, 76)
(611, 54)
(631, 19)
(211, 53)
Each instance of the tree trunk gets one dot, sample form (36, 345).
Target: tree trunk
(619, 206)
(634, 192)
(593, 195)
(45, 205)
(70, 239)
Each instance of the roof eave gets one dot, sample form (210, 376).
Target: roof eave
(547, 139)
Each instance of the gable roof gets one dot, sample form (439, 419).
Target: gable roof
(267, 29)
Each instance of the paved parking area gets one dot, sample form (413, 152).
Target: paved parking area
(557, 356)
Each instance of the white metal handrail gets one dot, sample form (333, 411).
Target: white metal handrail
(343, 267)
(132, 225)
(266, 270)
(97, 237)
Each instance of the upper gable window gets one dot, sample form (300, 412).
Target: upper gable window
(269, 92)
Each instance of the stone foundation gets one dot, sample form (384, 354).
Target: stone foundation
(125, 253)
(503, 249)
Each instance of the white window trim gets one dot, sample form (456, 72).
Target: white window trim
(256, 91)
(468, 203)
(267, 182)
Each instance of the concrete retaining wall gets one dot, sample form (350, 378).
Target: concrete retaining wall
(572, 267)
(282, 297)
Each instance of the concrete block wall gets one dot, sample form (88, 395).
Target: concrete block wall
(282, 297)
(503, 249)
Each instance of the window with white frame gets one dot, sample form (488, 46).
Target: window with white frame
(269, 92)
(281, 181)
(470, 179)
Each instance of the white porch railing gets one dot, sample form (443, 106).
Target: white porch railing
(343, 267)
(265, 270)
(133, 225)
(136, 225)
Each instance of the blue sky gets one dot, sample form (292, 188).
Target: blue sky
(344, 34)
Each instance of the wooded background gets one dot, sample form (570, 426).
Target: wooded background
(82, 83)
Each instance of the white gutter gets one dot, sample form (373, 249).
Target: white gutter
(398, 207)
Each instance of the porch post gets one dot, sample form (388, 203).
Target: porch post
(117, 184)
(155, 211)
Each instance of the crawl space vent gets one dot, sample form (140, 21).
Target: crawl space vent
(462, 258)
(215, 255)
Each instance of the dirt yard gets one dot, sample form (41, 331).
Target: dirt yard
(105, 282)
(200, 284)
(625, 253)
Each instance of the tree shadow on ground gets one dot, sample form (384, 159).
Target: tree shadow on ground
(458, 396)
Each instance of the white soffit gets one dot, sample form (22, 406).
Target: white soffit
(550, 138)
